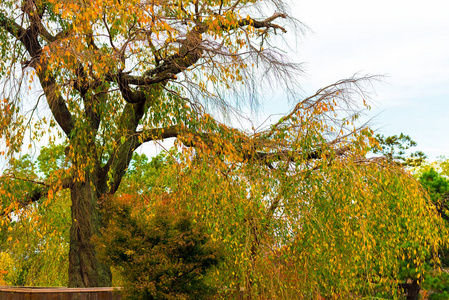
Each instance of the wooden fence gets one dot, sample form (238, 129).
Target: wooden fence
(46, 293)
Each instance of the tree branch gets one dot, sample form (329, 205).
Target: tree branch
(188, 54)
(143, 80)
(55, 101)
(120, 159)
(29, 39)
(11, 27)
(267, 23)
(41, 190)
(35, 14)
(269, 157)
(28, 180)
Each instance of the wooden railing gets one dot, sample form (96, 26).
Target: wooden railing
(47, 293)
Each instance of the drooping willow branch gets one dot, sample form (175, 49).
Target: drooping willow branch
(39, 191)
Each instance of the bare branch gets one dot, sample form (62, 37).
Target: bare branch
(12, 176)
(132, 95)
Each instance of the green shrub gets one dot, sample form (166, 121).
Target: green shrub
(438, 285)
(159, 251)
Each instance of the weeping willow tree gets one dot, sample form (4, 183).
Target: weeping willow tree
(108, 76)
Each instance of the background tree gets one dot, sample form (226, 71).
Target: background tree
(434, 178)
(438, 187)
(395, 149)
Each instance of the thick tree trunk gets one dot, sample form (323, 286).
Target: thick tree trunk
(85, 270)
(412, 289)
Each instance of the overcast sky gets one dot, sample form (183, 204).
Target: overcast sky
(407, 41)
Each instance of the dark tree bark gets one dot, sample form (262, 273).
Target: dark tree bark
(411, 289)
(85, 269)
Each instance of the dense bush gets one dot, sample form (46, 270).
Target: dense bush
(159, 251)
(438, 285)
